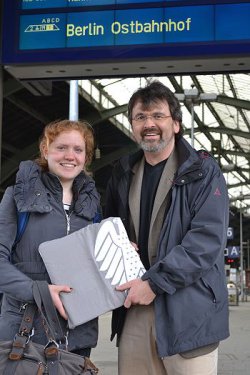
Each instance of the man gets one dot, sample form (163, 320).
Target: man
(174, 204)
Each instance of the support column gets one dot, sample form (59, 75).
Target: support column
(1, 89)
(1, 118)
(73, 101)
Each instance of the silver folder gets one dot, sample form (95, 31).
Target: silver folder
(92, 261)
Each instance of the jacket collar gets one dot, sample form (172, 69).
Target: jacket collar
(33, 188)
(189, 162)
(29, 191)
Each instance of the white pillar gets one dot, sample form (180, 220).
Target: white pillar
(73, 101)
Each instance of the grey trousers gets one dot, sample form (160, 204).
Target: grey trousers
(137, 353)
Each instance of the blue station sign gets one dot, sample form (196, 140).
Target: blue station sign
(161, 25)
(232, 252)
(86, 30)
(47, 4)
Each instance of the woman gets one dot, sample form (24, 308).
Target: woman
(60, 198)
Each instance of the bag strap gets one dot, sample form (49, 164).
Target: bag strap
(51, 323)
(21, 339)
(48, 312)
(52, 327)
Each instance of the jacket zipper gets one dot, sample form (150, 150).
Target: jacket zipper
(68, 222)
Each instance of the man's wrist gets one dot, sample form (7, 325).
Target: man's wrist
(155, 289)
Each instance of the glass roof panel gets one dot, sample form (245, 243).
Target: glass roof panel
(221, 126)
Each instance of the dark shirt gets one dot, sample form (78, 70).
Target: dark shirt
(150, 182)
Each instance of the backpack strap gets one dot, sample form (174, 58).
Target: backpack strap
(22, 221)
(98, 216)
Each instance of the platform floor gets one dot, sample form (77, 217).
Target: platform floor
(234, 353)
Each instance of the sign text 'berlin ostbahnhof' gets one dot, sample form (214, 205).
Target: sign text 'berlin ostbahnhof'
(125, 27)
(90, 26)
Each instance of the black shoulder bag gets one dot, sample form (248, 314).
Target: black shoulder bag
(22, 356)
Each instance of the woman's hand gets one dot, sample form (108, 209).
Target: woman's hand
(55, 291)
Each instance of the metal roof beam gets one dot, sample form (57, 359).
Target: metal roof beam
(237, 153)
(10, 87)
(10, 167)
(106, 114)
(238, 184)
(234, 102)
(111, 157)
(28, 109)
(221, 130)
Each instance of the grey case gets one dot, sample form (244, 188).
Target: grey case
(92, 261)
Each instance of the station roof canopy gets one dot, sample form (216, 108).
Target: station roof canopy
(220, 123)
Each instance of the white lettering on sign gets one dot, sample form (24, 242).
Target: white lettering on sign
(234, 252)
(230, 233)
(51, 20)
(90, 29)
(134, 27)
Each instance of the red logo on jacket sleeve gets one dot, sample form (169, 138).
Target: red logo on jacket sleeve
(217, 192)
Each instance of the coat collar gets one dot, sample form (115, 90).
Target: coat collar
(33, 189)
(189, 163)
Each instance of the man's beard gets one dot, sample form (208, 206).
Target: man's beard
(153, 146)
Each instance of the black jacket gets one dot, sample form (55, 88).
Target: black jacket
(191, 306)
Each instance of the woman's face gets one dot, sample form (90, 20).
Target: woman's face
(66, 155)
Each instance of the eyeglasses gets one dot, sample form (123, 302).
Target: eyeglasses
(157, 118)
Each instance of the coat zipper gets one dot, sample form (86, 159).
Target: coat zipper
(68, 222)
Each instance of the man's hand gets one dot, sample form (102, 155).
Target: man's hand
(139, 292)
(55, 291)
(134, 245)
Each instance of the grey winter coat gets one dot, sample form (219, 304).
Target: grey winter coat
(41, 195)
(191, 305)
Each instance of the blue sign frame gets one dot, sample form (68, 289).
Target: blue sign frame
(32, 36)
(49, 4)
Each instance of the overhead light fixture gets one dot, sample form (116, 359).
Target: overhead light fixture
(208, 97)
(191, 93)
(193, 97)
(228, 167)
(97, 153)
